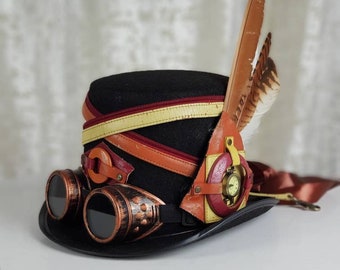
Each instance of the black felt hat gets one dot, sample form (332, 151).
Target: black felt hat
(120, 93)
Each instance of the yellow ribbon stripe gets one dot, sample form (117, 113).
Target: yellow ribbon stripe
(150, 118)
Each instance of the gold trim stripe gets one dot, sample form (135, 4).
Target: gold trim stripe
(150, 118)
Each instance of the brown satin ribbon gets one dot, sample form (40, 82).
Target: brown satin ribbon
(309, 189)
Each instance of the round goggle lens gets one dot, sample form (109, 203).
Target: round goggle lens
(57, 196)
(101, 217)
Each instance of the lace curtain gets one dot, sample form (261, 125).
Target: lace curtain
(50, 51)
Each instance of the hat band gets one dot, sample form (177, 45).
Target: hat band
(153, 152)
(153, 114)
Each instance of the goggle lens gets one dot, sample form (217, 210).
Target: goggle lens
(120, 212)
(57, 196)
(64, 191)
(101, 216)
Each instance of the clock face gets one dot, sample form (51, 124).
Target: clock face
(233, 185)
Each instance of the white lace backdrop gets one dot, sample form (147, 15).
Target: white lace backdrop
(50, 51)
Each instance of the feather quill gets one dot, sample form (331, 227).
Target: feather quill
(264, 90)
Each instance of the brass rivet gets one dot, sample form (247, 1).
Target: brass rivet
(119, 177)
(139, 216)
(136, 200)
(144, 222)
(197, 189)
(229, 141)
(143, 207)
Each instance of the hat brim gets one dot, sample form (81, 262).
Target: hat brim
(74, 236)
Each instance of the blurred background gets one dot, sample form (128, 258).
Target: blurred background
(50, 51)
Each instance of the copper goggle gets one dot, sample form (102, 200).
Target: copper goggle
(118, 211)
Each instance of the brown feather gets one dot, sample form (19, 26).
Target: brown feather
(264, 82)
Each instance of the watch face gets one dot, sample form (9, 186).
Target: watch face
(233, 185)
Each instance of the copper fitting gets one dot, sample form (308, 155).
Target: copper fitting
(63, 193)
(121, 212)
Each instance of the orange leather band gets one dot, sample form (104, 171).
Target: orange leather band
(112, 172)
(150, 154)
(87, 113)
(99, 156)
(101, 171)
(153, 156)
(206, 188)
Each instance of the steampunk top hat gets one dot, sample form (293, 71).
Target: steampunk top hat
(164, 163)
(134, 182)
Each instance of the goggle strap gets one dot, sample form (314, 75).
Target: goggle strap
(171, 213)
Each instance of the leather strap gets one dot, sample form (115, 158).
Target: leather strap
(206, 188)
(103, 169)
(153, 114)
(101, 164)
(152, 152)
(157, 157)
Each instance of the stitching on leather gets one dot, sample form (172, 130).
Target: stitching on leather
(150, 123)
(182, 163)
(154, 161)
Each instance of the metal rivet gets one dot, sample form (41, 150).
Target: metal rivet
(139, 216)
(144, 222)
(136, 200)
(119, 177)
(197, 189)
(229, 141)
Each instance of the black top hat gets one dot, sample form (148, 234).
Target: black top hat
(125, 94)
